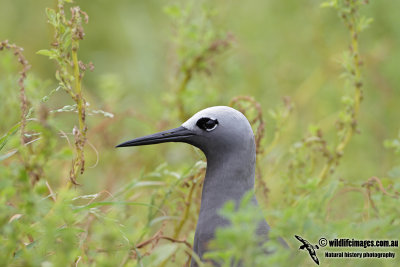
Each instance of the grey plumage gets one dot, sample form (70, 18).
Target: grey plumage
(227, 140)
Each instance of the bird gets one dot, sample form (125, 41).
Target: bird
(226, 138)
(310, 248)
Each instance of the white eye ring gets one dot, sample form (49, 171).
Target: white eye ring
(207, 124)
(210, 129)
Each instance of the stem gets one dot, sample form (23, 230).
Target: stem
(356, 78)
(273, 143)
(78, 90)
(357, 85)
(186, 212)
(80, 137)
(181, 89)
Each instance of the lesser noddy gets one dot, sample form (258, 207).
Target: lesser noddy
(227, 140)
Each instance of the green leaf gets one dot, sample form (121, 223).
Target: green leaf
(332, 3)
(65, 153)
(71, 229)
(313, 129)
(161, 253)
(162, 218)
(29, 246)
(7, 155)
(52, 16)
(11, 132)
(395, 144)
(364, 23)
(66, 38)
(113, 203)
(44, 52)
(173, 11)
(99, 111)
(49, 53)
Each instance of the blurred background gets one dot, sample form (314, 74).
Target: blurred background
(282, 49)
(279, 49)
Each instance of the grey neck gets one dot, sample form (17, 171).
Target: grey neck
(228, 177)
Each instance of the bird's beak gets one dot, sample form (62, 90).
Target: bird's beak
(179, 134)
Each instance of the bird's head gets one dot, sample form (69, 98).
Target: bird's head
(213, 130)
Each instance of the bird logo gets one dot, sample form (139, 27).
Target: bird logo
(311, 249)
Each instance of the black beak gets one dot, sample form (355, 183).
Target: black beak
(179, 134)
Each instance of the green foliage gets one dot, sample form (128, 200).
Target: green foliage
(394, 144)
(321, 167)
(197, 43)
(67, 35)
(238, 244)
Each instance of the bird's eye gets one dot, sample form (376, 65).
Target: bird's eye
(207, 124)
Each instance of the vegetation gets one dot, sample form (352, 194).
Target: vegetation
(327, 155)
